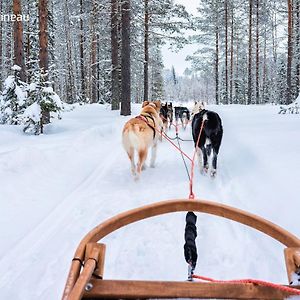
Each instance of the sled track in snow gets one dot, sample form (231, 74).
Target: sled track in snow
(54, 222)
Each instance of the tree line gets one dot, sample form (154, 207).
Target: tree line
(250, 50)
(92, 51)
(109, 51)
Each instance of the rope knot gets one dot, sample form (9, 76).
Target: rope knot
(191, 196)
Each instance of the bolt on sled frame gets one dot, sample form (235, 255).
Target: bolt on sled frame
(85, 279)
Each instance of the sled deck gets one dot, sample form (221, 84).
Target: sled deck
(86, 281)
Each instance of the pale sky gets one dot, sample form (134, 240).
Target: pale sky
(191, 5)
(178, 59)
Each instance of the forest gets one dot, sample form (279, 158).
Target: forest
(73, 51)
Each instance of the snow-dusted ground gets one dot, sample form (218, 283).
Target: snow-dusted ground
(56, 187)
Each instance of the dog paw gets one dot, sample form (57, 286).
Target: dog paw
(204, 170)
(152, 165)
(144, 167)
(213, 173)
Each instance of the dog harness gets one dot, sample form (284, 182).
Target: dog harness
(144, 117)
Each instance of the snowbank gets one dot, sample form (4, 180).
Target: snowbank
(57, 187)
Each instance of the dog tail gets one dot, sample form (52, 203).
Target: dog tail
(133, 138)
(130, 138)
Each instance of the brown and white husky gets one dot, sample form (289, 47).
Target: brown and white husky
(141, 133)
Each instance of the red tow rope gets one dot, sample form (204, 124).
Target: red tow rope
(192, 160)
(254, 281)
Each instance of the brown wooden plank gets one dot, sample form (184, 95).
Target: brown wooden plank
(292, 260)
(124, 289)
(85, 275)
(100, 260)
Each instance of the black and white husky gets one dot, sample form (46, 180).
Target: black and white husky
(183, 114)
(211, 136)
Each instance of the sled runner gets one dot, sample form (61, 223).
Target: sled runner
(86, 275)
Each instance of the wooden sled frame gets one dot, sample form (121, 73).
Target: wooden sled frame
(89, 259)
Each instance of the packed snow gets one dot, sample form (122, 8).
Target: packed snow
(58, 186)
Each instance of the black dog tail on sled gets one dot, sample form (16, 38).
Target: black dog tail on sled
(210, 139)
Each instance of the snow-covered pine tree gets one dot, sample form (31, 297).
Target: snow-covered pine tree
(1, 44)
(254, 33)
(103, 73)
(163, 22)
(13, 99)
(295, 68)
(53, 72)
(43, 103)
(137, 51)
(156, 79)
(115, 55)
(290, 47)
(209, 24)
(70, 86)
(153, 23)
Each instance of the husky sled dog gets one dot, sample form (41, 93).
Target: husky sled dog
(199, 105)
(210, 139)
(183, 114)
(166, 114)
(141, 133)
(170, 113)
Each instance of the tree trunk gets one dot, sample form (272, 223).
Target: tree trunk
(226, 51)
(100, 100)
(257, 52)
(1, 45)
(231, 56)
(81, 44)
(43, 35)
(8, 42)
(249, 96)
(217, 59)
(18, 39)
(93, 78)
(115, 80)
(217, 67)
(28, 48)
(71, 94)
(264, 66)
(95, 98)
(43, 55)
(274, 31)
(119, 70)
(290, 52)
(146, 53)
(297, 26)
(125, 58)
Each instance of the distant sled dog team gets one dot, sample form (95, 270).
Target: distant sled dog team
(143, 132)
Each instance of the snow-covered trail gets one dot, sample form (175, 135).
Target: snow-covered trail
(64, 183)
